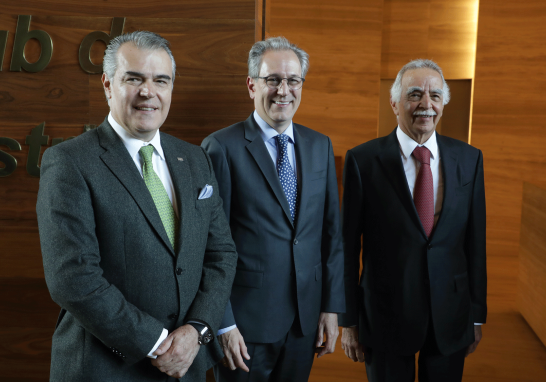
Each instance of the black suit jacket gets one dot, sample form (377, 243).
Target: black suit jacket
(110, 266)
(407, 278)
(283, 268)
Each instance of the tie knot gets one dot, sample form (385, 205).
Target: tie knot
(282, 139)
(146, 153)
(422, 154)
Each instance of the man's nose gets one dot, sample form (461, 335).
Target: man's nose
(426, 102)
(283, 89)
(146, 91)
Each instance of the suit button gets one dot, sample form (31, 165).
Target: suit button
(295, 241)
(173, 316)
(429, 246)
(178, 271)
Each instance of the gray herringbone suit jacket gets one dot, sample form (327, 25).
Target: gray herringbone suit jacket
(110, 266)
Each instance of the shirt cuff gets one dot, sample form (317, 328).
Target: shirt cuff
(225, 330)
(478, 323)
(164, 335)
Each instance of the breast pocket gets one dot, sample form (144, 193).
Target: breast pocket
(317, 182)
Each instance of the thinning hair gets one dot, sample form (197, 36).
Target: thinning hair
(142, 40)
(280, 43)
(396, 88)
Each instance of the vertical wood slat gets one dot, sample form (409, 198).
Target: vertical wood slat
(532, 259)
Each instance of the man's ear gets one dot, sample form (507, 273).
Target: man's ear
(251, 85)
(106, 85)
(394, 106)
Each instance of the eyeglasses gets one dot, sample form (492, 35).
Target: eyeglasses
(294, 83)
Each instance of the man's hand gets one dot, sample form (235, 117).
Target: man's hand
(177, 352)
(234, 347)
(327, 325)
(478, 338)
(349, 343)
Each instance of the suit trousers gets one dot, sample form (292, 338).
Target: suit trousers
(287, 360)
(433, 366)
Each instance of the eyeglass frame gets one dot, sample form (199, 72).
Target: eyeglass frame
(282, 80)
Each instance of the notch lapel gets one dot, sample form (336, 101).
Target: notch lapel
(449, 161)
(391, 161)
(259, 152)
(182, 181)
(117, 159)
(303, 160)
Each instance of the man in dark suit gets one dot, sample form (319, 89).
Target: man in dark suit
(136, 247)
(278, 183)
(414, 204)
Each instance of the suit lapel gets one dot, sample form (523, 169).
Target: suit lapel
(449, 162)
(118, 160)
(303, 160)
(259, 152)
(182, 181)
(394, 170)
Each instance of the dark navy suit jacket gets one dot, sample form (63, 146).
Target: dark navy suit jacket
(284, 268)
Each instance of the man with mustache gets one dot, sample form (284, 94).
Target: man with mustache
(414, 206)
(278, 183)
(135, 243)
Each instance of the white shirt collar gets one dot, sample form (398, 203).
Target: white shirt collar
(133, 144)
(407, 145)
(267, 132)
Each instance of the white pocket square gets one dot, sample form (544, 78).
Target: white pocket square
(206, 192)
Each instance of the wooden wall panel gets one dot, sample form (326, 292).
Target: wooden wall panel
(210, 40)
(444, 31)
(341, 91)
(532, 259)
(510, 78)
(191, 9)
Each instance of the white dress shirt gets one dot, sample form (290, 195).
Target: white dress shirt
(159, 164)
(412, 166)
(268, 134)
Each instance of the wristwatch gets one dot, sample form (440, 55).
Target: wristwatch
(204, 332)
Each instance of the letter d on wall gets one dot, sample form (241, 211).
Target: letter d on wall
(91, 38)
(22, 35)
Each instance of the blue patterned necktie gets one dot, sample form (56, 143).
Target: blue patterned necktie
(159, 194)
(286, 175)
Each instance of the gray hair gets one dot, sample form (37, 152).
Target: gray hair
(396, 89)
(142, 40)
(275, 44)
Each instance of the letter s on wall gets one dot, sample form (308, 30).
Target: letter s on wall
(10, 163)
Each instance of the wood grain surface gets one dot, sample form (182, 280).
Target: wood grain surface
(443, 31)
(532, 259)
(341, 93)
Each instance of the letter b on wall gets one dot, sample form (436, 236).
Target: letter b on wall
(22, 35)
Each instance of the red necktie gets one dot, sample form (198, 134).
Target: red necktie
(423, 193)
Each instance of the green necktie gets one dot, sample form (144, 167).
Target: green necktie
(159, 195)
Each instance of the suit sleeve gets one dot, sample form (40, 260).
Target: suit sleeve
(71, 258)
(333, 291)
(219, 264)
(475, 246)
(223, 176)
(351, 228)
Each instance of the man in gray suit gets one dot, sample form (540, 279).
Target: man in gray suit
(278, 183)
(135, 243)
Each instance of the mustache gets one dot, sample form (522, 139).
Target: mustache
(425, 112)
